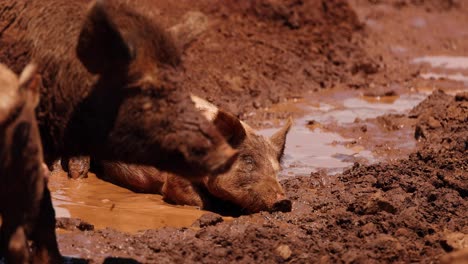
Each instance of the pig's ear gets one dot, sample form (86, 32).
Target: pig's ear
(230, 127)
(279, 138)
(101, 46)
(29, 82)
(193, 24)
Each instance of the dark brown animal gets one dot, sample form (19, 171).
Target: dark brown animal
(25, 203)
(250, 184)
(110, 86)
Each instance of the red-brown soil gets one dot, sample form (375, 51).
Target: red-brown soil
(257, 53)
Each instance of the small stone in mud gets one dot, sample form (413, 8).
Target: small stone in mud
(313, 124)
(368, 229)
(256, 104)
(419, 132)
(365, 67)
(209, 219)
(72, 224)
(378, 203)
(284, 251)
(433, 123)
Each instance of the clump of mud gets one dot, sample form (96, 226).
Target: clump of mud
(411, 210)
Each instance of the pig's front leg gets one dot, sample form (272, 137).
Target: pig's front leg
(180, 191)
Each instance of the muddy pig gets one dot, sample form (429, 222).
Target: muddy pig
(251, 183)
(25, 203)
(111, 86)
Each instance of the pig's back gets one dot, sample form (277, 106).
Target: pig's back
(46, 31)
(46, 28)
(138, 178)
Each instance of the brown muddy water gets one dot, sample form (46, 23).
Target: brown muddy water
(311, 146)
(106, 205)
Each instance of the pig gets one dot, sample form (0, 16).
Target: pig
(111, 86)
(25, 204)
(251, 184)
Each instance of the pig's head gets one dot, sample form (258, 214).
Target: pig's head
(252, 182)
(154, 121)
(20, 145)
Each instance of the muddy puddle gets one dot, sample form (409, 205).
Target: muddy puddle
(106, 205)
(453, 68)
(312, 145)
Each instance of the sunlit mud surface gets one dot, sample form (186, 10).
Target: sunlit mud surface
(106, 205)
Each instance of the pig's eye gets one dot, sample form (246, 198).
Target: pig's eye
(248, 159)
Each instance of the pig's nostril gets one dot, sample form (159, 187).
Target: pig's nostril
(282, 206)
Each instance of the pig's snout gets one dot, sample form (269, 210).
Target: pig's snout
(282, 204)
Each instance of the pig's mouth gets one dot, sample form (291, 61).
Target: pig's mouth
(284, 206)
(247, 205)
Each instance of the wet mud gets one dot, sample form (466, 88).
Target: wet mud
(103, 204)
(377, 170)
